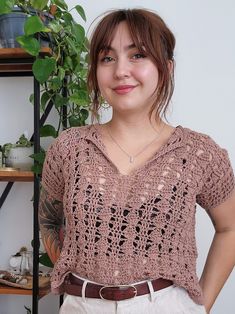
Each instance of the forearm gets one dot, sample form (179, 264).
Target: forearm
(51, 224)
(219, 264)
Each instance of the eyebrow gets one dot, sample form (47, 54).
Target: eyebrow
(110, 48)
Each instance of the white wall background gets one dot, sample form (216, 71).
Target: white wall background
(203, 100)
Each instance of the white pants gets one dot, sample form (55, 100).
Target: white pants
(170, 300)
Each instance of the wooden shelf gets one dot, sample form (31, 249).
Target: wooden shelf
(10, 290)
(18, 61)
(19, 53)
(16, 176)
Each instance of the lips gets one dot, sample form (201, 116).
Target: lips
(124, 89)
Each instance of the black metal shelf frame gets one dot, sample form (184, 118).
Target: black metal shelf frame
(36, 140)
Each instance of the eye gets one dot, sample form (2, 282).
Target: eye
(138, 56)
(106, 59)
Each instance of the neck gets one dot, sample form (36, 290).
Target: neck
(139, 127)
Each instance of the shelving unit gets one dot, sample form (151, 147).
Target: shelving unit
(16, 176)
(18, 291)
(15, 62)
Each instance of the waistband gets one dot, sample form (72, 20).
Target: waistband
(74, 285)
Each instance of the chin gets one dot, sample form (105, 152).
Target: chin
(126, 108)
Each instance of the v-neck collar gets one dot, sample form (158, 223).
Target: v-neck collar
(175, 140)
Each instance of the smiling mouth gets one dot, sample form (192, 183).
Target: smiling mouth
(124, 89)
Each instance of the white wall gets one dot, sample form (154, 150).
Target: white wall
(203, 100)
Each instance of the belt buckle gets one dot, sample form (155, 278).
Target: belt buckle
(124, 287)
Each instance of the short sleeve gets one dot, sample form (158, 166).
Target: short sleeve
(218, 181)
(52, 174)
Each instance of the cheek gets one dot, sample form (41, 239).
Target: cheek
(147, 74)
(154, 79)
(101, 79)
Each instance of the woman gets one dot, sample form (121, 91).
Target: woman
(128, 188)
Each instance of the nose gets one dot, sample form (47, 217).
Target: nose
(122, 69)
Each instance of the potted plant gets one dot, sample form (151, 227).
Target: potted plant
(13, 15)
(17, 155)
(65, 69)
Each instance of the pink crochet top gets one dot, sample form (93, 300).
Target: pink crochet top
(122, 229)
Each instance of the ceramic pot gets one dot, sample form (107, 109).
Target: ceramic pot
(22, 264)
(19, 158)
(12, 26)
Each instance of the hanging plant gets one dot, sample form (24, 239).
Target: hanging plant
(62, 75)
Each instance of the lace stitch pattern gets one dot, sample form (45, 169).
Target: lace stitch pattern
(123, 229)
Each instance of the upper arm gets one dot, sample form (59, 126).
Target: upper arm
(50, 210)
(51, 224)
(223, 215)
(218, 181)
(52, 174)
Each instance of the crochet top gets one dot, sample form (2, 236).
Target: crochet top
(121, 229)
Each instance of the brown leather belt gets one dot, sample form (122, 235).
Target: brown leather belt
(73, 286)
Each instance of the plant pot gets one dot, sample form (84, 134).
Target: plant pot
(12, 26)
(22, 264)
(18, 157)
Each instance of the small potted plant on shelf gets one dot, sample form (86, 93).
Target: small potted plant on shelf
(14, 14)
(17, 155)
(62, 74)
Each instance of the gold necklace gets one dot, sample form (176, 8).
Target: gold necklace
(131, 157)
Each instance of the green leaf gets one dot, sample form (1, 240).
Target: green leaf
(37, 169)
(55, 83)
(84, 113)
(61, 73)
(75, 121)
(32, 243)
(34, 25)
(23, 141)
(86, 47)
(72, 85)
(39, 4)
(43, 68)
(77, 59)
(81, 12)
(44, 99)
(79, 32)
(31, 98)
(55, 26)
(29, 44)
(48, 130)
(61, 4)
(72, 46)
(68, 63)
(83, 73)
(60, 101)
(44, 259)
(6, 6)
(67, 18)
(80, 98)
(39, 157)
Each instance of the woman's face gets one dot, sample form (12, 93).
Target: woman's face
(127, 78)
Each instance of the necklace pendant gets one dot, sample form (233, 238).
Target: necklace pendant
(131, 159)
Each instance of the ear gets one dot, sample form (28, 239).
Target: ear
(170, 65)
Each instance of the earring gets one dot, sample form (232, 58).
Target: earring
(104, 104)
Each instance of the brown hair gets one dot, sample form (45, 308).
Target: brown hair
(148, 31)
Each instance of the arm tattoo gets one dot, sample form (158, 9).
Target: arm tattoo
(51, 224)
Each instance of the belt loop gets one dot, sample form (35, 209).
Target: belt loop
(84, 291)
(151, 290)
